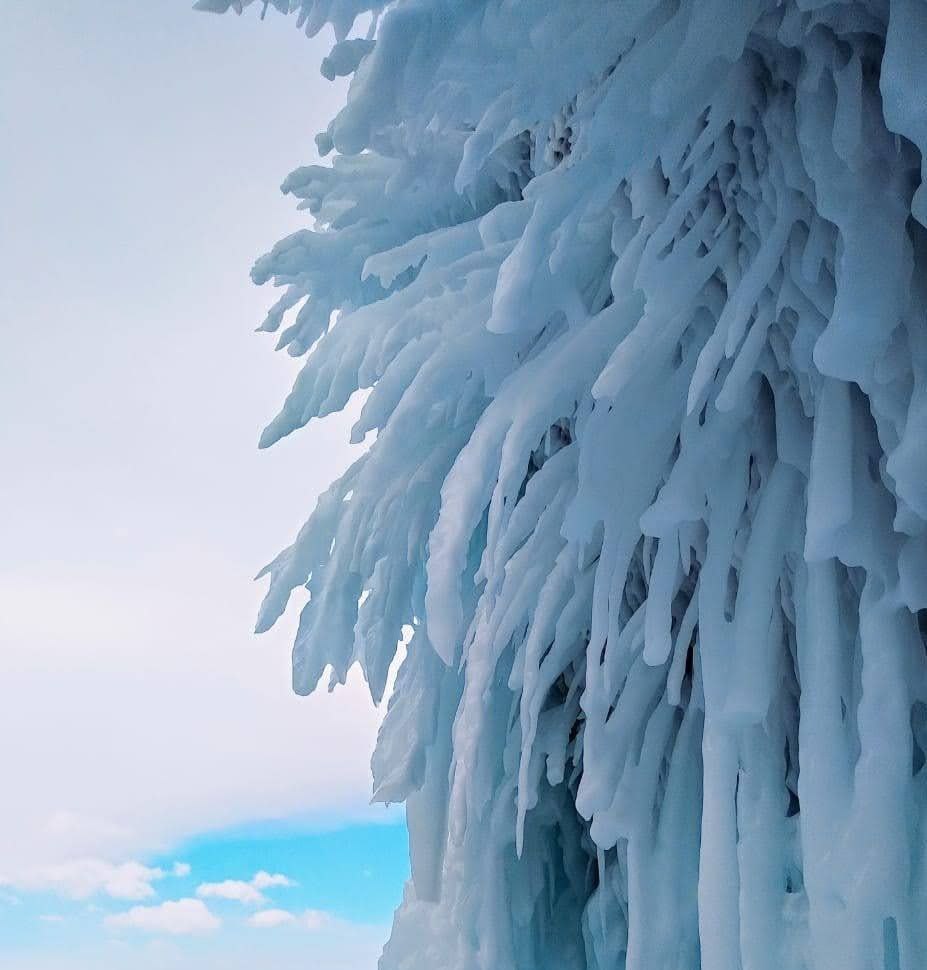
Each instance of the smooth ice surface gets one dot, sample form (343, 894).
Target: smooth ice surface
(638, 292)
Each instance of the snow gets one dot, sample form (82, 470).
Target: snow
(637, 294)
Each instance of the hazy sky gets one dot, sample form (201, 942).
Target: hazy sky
(140, 722)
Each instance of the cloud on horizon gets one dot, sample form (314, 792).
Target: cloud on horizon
(181, 917)
(81, 879)
(310, 919)
(247, 893)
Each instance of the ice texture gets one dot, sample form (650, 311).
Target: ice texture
(637, 291)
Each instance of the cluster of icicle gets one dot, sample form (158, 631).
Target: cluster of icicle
(638, 289)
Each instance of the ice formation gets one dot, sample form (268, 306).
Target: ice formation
(638, 291)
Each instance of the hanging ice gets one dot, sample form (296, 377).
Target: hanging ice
(639, 290)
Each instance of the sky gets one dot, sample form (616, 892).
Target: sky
(167, 801)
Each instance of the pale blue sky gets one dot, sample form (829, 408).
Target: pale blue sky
(140, 722)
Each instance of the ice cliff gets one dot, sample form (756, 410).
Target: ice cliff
(638, 291)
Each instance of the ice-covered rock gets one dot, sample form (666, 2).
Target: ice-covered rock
(639, 293)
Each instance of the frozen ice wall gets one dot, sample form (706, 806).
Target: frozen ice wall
(638, 291)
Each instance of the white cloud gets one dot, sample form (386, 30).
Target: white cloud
(180, 870)
(315, 919)
(234, 889)
(85, 878)
(248, 893)
(310, 919)
(176, 918)
(269, 918)
(238, 716)
(266, 880)
(64, 826)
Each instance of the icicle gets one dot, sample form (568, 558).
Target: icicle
(638, 294)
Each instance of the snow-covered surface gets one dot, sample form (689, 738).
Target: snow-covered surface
(638, 291)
